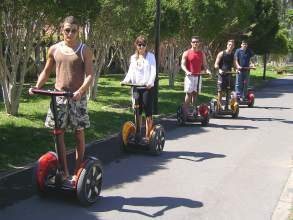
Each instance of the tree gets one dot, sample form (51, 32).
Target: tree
(18, 34)
(21, 34)
(264, 33)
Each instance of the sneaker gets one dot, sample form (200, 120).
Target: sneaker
(144, 141)
(51, 180)
(70, 181)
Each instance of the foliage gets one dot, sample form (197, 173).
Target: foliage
(266, 26)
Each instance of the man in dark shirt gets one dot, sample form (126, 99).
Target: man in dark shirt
(242, 61)
(224, 63)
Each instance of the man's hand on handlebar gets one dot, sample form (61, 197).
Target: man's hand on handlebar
(77, 95)
(188, 73)
(30, 91)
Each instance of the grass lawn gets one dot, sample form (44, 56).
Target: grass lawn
(24, 138)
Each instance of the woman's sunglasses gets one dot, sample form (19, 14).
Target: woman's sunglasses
(69, 30)
(141, 45)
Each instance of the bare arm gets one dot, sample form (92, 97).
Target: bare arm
(219, 57)
(88, 63)
(183, 64)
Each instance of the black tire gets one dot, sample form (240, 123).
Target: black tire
(212, 107)
(129, 129)
(206, 120)
(251, 104)
(157, 140)
(89, 183)
(48, 171)
(41, 192)
(123, 147)
(180, 116)
(235, 113)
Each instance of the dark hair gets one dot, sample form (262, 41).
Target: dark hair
(244, 42)
(231, 40)
(195, 37)
(70, 20)
(140, 40)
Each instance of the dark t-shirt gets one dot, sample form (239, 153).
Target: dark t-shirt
(226, 61)
(243, 57)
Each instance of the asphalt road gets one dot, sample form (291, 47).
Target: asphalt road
(233, 169)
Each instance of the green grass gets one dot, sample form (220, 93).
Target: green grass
(24, 138)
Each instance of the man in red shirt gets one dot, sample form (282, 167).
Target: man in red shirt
(192, 63)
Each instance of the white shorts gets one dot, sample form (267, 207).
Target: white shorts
(190, 84)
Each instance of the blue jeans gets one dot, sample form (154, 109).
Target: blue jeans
(242, 80)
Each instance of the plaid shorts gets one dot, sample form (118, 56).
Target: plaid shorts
(71, 115)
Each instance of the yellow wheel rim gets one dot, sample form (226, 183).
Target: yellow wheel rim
(234, 106)
(127, 129)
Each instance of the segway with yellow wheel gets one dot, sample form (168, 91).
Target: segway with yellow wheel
(229, 104)
(130, 136)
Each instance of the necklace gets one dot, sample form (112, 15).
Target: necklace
(140, 63)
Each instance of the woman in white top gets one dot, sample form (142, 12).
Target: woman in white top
(142, 71)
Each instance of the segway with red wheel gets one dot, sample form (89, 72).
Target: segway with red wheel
(249, 96)
(48, 173)
(130, 137)
(228, 105)
(199, 113)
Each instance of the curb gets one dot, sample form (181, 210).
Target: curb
(6, 174)
(283, 208)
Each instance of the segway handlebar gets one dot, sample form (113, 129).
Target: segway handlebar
(139, 86)
(51, 93)
(204, 74)
(247, 68)
(230, 72)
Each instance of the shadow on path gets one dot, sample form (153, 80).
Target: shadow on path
(267, 119)
(165, 203)
(233, 127)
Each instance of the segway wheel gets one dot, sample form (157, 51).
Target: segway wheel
(205, 120)
(204, 112)
(250, 100)
(157, 140)
(251, 103)
(180, 116)
(212, 108)
(127, 130)
(89, 181)
(235, 110)
(44, 169)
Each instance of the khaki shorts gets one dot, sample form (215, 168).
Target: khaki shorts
(190, 84)
(72, 115)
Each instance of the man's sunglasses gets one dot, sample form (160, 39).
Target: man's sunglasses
(69, 30)
(194, 42)
(141, 45)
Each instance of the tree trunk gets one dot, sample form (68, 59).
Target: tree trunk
(16, 48)
(264, 66)
(99, 61)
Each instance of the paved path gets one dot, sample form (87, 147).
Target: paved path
(233, 169)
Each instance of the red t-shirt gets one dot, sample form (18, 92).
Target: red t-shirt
(194, 61)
